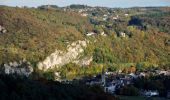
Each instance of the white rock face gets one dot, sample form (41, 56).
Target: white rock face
(59, 58)
(85, 61)
(22, 68)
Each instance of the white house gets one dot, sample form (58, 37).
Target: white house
(110, 88)
(57, 75)
(103, 34)
(133, 75)
(2, 29)
(105, 15)
(151, 93)
(65, 9)
(142, 74)
(110, 73)
(84, 14)
(90, 33)
(122, 34)
(104, 19)
(126, 14)
(162, 72)
(115, 18)
(80, 10)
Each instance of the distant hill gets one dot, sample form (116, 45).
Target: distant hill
(74, 6)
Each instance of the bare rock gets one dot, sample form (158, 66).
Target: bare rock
(16, 68)
(84, 61)
(59, 58)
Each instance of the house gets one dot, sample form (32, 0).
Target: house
(80, 11)
(111, 73)
(117, 16)
(105, 15)
(126, 14)
(65, 81)
(2, 29)
(160, 72)
(90, 33)
(122, 34)
(110, 88)
(120, 71)
(84, 14)
(104, 19)
(103, 34)
(125, 81)
(114, 18)
(57, 75)
(65, 9)
(151, 93)
(142, 74)
(132, 75)
(163, 72)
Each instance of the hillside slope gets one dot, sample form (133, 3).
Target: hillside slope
(35, 34)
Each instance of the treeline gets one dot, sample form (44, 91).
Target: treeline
(75, 6)
(153, 20)
(15, 87)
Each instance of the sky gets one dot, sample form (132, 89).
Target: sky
(103, 3)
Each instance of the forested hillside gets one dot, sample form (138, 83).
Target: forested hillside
(34, 33)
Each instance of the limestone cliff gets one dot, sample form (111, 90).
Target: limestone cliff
(72, 54)
(23, 68)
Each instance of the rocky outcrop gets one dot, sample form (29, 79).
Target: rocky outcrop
(2, 30)
(23, 68)
(84, 61)
(59, 58)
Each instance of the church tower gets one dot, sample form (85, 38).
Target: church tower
(103, 77)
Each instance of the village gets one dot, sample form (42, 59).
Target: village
(111, 81)
(104, 19)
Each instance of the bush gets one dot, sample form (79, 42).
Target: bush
(129, 90)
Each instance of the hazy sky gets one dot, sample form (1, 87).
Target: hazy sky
(106, 3)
